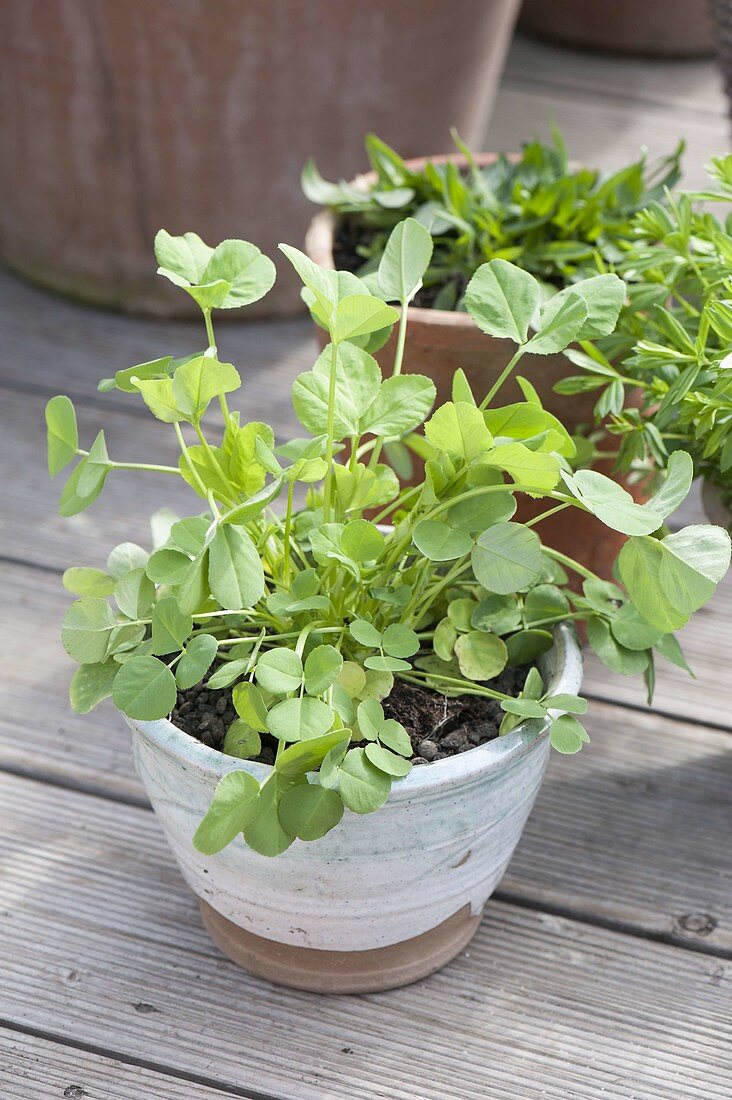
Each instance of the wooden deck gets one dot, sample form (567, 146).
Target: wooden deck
(602, 969)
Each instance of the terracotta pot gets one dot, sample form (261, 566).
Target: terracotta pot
(439, 341)
(665, 28)
(119, 118)
(383, 899)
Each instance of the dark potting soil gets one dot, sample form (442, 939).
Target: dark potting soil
(438, 727)
(351, 232)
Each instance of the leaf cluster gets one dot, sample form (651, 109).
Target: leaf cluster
(308, 613)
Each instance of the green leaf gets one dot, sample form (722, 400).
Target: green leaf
(401, 405)
(507, 558)
(235, 570)
(560, 322)
(309, 811)
(171, 627)
(242, 741)
(362, 540)
(399, 640)
(603, 296)
(264, 833)
(248, 272)
(144, 688)
(134, 593)
(365, 634)
(304, 756)
(90, 684)
(669, 648)
(476, 513)
(460, 430)
(387, 761)
(360, 314)
(232, 808)
(527, 645)
(94, 468)
(322, 668)
(572, 704)
(527, 468)
(363, 787)
(523, 708)
(404, 261)
(158, 395)
(394, 736)
(387, 664)
(250, 706)
(612, 504)
(197, 382)
(443, 639)
(631, 630)
(370, 718)
(358, 380)
(87, 630)
(625, 662)
(545, 602)
(480, 656)
(317, 280)
(502, 300)
(523, 420)
(567, 735)
(279, 671)
(88, 582)
(167, 566)
(671, 578)
(196, 660)
(299, 719)
(62, 433)
(194, 590)
(185, 256)
(496, 613)
(675, 489)
(438, 542)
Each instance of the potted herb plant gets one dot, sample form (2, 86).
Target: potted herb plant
(557, 220)
(370, 701)
(674, 343)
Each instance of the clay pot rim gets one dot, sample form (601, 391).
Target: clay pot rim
(499, 754)
(319, 236)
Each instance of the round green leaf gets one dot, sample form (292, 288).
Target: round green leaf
(443, 639)
(404, 261)
(88, 582)
(400, 641)
(502, 298)
(387, 664)
(480, 656)
(507, 558)
(304, 756)
(90, 684)
(370, 718)
(362, 540)
(631, 630)
(438, 542)
(87, 630)
(235, 570)
(394, 736)
(242, 741)
(545, 601)
(363, 787)
(387, 761)
(232, 808)
(527, 645)
(167, 566)
(171, 627)
(134, 593)
(279, 670)
(322, 668)
(144, 688)
(62, 433)
(196, 660)
(309, 811)
(626, 662)
(264, 833)
(460, 612)
(125, 557)
(250, 705)
(567, 735)
(365, 634)
(299, 719)
(498, 614)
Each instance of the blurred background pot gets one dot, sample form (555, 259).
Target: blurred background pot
(119, 118)
(662, 28)
(439, 341)
(716, 510)
(383, 899)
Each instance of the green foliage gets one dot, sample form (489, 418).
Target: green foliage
(535, 210)
(308, 614)
(674, 340)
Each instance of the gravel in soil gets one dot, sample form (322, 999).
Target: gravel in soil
(438, 727)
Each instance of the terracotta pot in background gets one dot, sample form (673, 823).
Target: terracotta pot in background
(119, 118)
(663, 28)
(440, 341)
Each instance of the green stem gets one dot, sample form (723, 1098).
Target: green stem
(145, 466)
(328, 487)
(545, 515)
(501, 379)
(575, 566)
(286, 537)
(212, 347)
(466, 686)
(396, 371)
(184, 451)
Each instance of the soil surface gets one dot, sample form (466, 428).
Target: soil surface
(351, 232)
(438, 727)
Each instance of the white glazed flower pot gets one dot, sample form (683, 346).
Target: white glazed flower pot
(384, 898)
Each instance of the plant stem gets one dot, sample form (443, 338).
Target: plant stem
(549, 512)
(145, 466)
(212, 347)
(505, 373)
(575, 566)
(328, 487)
(184, 451)
(286, 537)
(466, 686)
(396, 371)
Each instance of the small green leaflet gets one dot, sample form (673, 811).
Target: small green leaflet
(502, 300)
(144, 688)
(233, 806)
(62, 433)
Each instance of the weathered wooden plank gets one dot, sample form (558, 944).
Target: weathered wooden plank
(620, 832)
(38, 1069)
(683, 89)
(538, 1005)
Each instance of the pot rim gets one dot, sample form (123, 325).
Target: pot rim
(498, 754)
(319, 235)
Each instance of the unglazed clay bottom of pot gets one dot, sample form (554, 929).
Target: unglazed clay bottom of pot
(342, 971)
(384, 898)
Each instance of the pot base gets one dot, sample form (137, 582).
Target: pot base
(342, 971)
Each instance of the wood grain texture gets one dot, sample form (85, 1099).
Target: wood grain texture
(114, 927)
(32, 1068)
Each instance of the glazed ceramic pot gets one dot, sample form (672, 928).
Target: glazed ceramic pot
(656, 28)
(117, 119)
(383, 899)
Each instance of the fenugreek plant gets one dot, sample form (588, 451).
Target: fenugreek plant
(309, 613)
